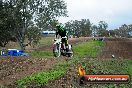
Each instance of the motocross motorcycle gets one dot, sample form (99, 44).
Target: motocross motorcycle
(59, 48)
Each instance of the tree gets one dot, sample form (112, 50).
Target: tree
(76, 28)
(111, 33)
(94, 30)
(5, 23)
(34, 35)
(17, 16)
(102, 26)
(124, 31)
(49, 11)
(130, 30)
(85, 27)
(79, 28)
(69, 28)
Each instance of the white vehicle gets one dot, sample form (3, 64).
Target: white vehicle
(60, 49)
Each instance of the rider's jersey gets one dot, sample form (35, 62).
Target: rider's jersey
(62, 32)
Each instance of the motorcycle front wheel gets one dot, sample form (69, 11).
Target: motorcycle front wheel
(56, 50)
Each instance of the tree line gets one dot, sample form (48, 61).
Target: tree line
(25, 19)
(22, 20)
(123, 31)
(85, 28)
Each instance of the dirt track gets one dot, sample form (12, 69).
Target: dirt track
(72, 41)
(14, 68)
(119, 47)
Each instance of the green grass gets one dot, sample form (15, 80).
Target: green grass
(111, 66)
(42, 78)
(46, 41)
(61, 68)
(11, 45)
(88, 49)
(130, 67)
(108, 66)
(85, 49)
(43, 41)
(98, 67)
(41, 54)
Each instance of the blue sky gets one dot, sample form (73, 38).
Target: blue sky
(114, 12)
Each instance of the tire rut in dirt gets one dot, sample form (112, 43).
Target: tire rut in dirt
(15, 68)
(119, 47)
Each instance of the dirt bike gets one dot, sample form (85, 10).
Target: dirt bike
(59, 48)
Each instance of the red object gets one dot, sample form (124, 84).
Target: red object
(107, 78)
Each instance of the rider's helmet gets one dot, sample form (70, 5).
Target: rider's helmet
(59, 26)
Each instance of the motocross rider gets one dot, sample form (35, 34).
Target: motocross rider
(63, 33)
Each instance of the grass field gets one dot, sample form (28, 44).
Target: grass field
(89, 49)
(85, 53)
(41, 54)
(43, 41)
(46, 41)
(61, 68)
(96, 66)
